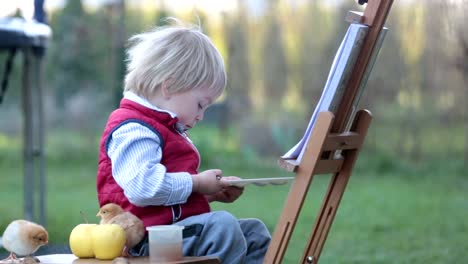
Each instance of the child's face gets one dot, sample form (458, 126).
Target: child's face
(189, 106)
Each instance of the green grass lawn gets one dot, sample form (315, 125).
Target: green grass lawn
(380, 219)
(390, 217)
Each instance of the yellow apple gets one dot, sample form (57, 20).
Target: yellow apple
(108, 241)
(80, 240)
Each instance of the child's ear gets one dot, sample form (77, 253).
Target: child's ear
(164, 92)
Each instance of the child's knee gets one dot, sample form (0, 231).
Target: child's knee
(254, 225)
(224, 218)
(261, 228)
(225, 224)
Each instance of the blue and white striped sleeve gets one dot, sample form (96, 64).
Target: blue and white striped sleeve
(135, 151)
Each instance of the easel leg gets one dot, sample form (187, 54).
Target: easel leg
(298, 191)
(335, 193)
(327, 214)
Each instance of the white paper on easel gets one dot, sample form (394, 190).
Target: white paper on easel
(337, 79)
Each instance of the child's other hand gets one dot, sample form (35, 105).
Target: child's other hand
(207, 182)
(229, 193)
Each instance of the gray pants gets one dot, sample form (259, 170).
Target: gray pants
(220, 234)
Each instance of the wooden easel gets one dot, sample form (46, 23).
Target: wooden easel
(329, 137)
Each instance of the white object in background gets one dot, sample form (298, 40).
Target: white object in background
(28, 28)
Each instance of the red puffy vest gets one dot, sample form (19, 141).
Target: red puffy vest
(178, 155)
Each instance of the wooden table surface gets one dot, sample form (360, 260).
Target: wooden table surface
(72, 259)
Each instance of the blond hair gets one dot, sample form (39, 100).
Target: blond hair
(179, 56)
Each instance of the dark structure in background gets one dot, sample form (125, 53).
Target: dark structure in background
(30, 39)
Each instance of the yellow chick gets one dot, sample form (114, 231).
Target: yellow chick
(114, 214)
(22, 237)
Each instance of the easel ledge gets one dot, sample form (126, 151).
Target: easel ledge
(334, 141)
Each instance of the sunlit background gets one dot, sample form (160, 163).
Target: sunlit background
(407, 201)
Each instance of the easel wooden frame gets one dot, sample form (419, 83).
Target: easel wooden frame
(329, 138)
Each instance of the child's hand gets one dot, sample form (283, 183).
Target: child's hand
(229, 193)
(207, 182)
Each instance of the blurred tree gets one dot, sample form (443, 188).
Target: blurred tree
(412, 41)
(102, 33)
(238, 67)
(438, 85)
(261, 131)
(118, 39)
(384, 82)
(72, 56)
(274, 62)
(461, 62)
(317, 40)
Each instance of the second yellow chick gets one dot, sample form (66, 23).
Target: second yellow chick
(112, 213)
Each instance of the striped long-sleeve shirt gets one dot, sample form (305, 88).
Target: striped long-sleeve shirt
(135, 152)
